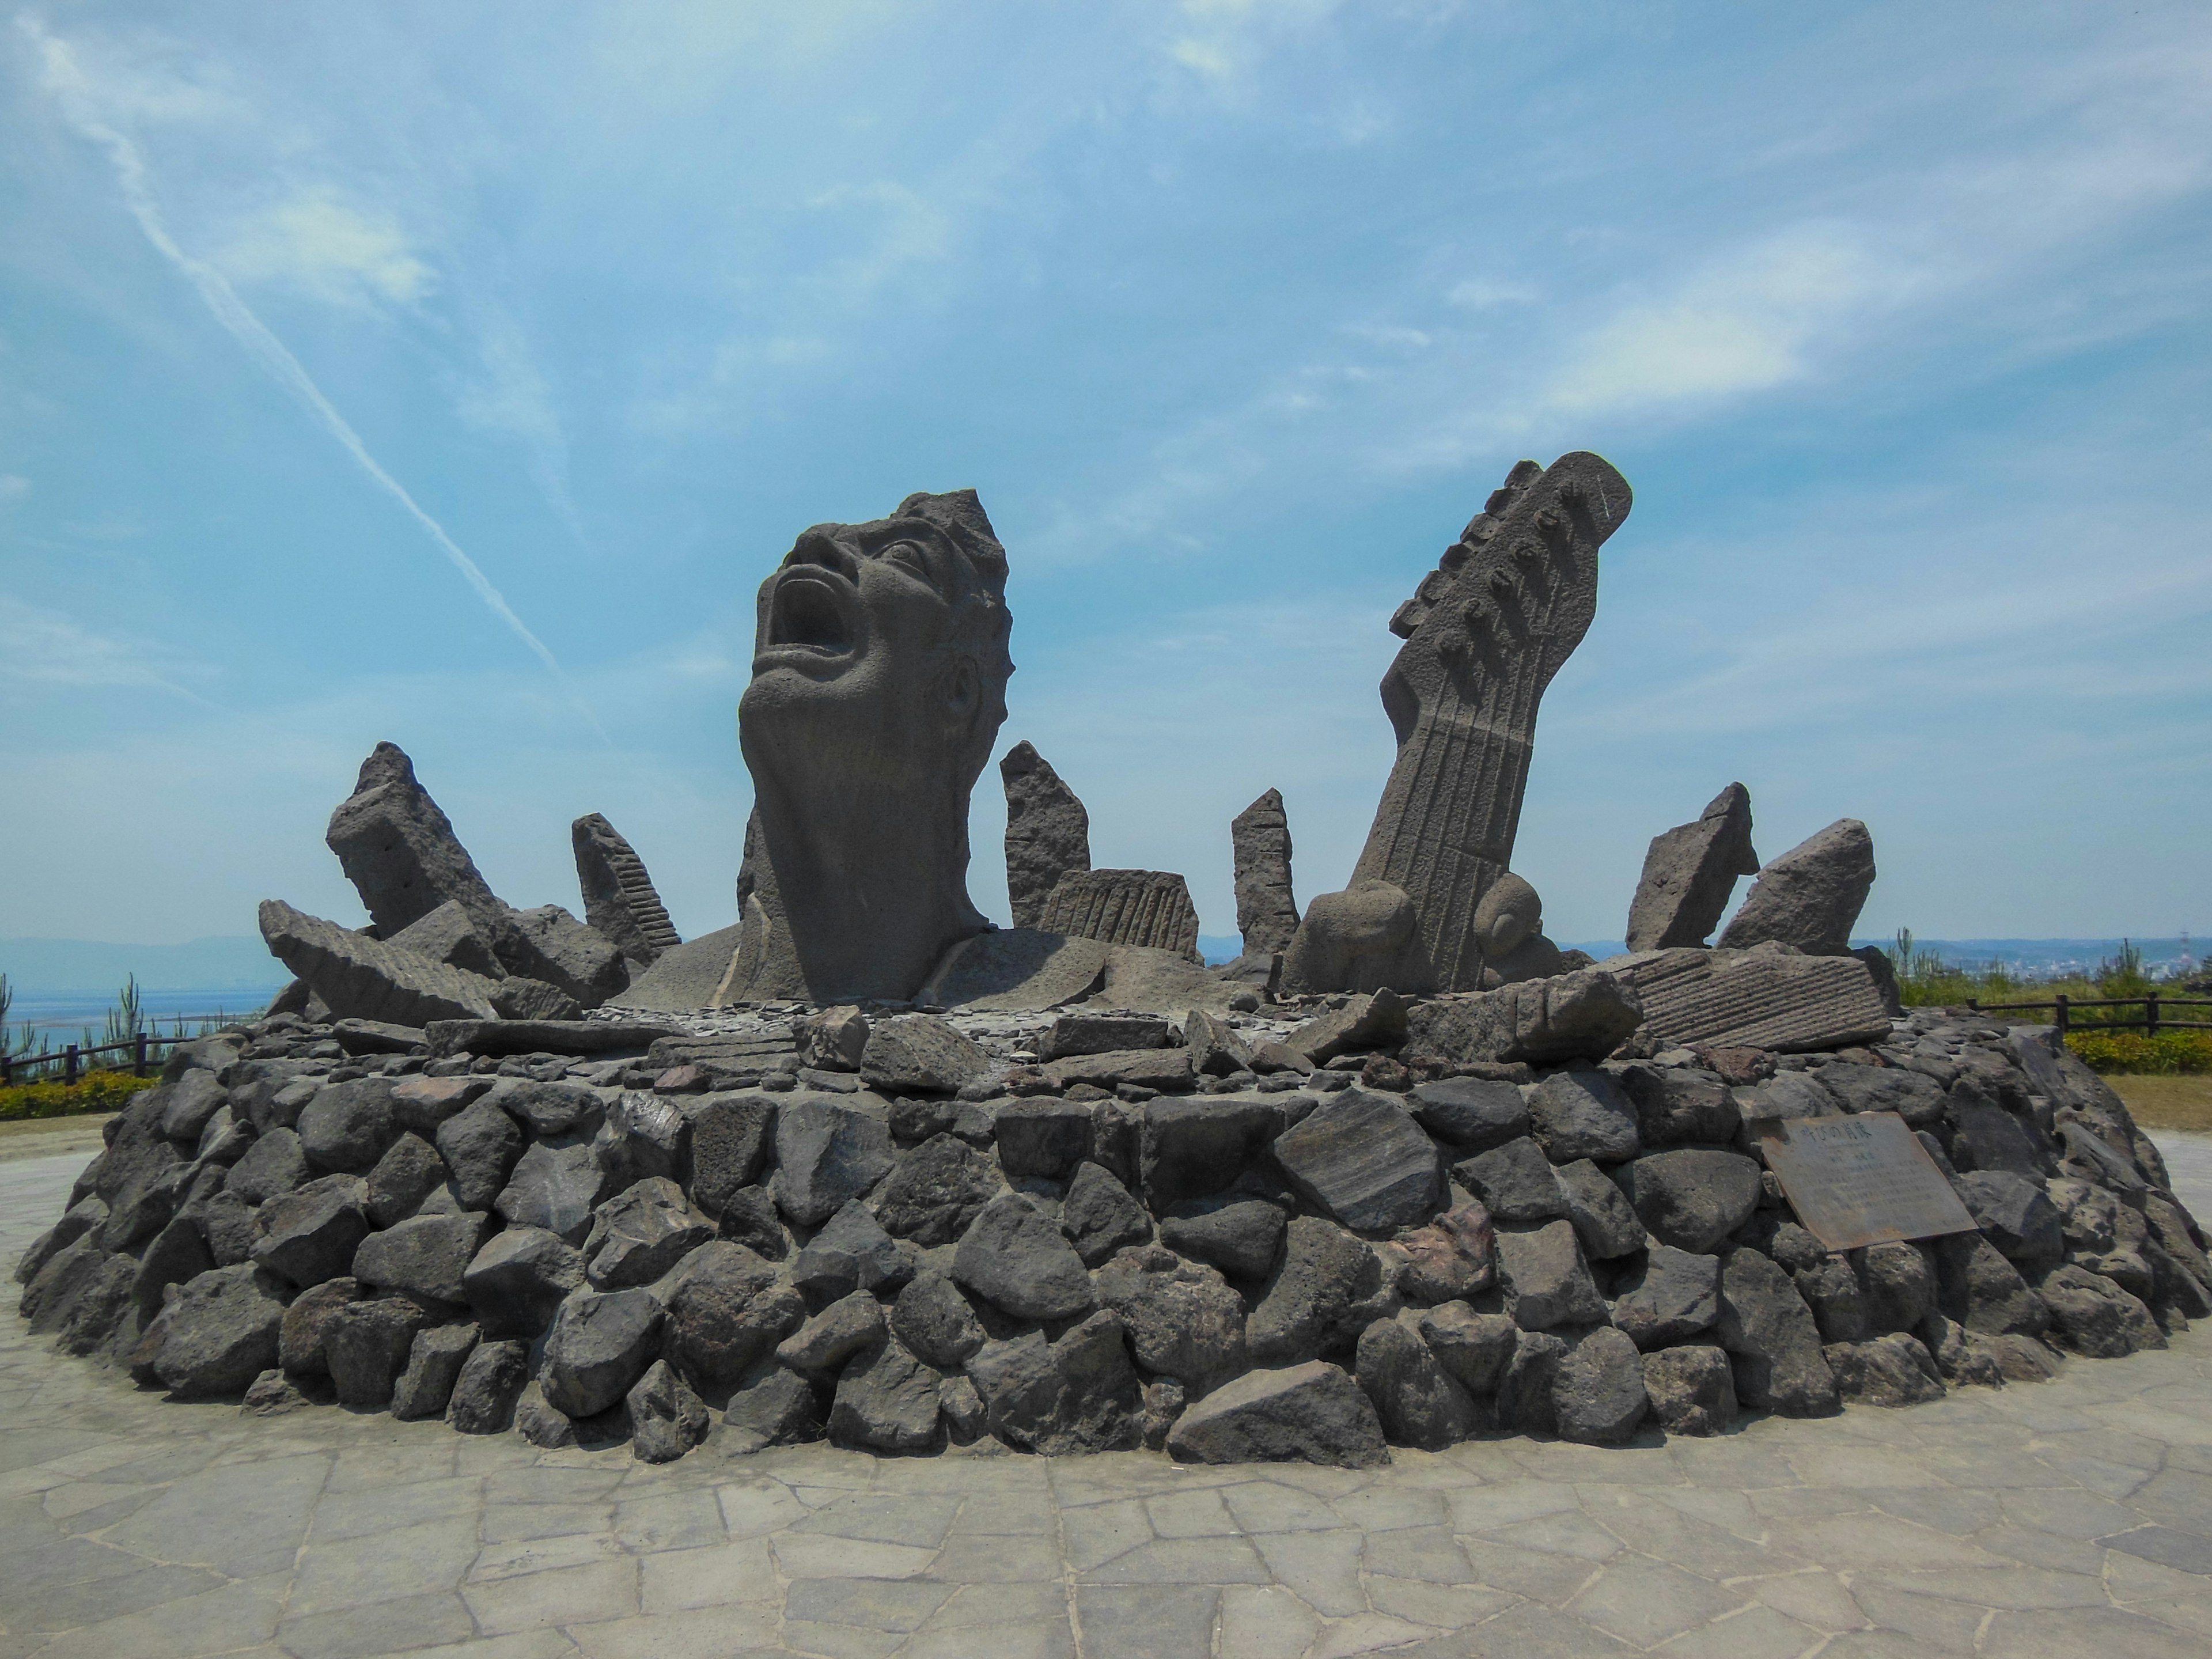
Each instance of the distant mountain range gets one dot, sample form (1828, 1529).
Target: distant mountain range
(2036, 957)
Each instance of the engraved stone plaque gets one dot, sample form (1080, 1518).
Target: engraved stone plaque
(1860, 1180)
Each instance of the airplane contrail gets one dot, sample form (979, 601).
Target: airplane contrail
(67, 82)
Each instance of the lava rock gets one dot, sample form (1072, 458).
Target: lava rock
(2015, 1215)
(426, 1256)
(826, 1154)
(1183, 1319)
(1099, 1215)
(1015, 1258)
(1691, 1390)
(193, 1101)
(2094, 1315)
(1454, 1256)
(82, 1218)
(228, 1222)
(934, 1320)
(1545, 1281)
(1216, 1050)
(1917, 1099)
(730, 1137)
(347, 1126)
(1077, 1395)
(1897, 1282)
(1312, 1412)
(886, 1400)
(937, 1191)
(1167, 1070)
(179, 1251)
(555, 1188)
(1577, 1114)
(311, 1234)
(1525, 1393)
(1889, 1370)
(1676, 1104)
(218, 1332)
(300, 1338)
(1362, 1160)
(544, 1109)
(1692, 1198)
(641, 1233)
(275, 1164)
(434, 1366)
(1603, 1218)
(1598, 1395)
(1474, 1347)
(1241, 1236)
(517, 1280)
(408, 1173)
(911, 1053)
(1672, 1296)
(851, 1253)
(778, 1408)
(598, 1345)
(666, 1418)
(1102, 1034)
(726, 1313)
(1772, 1340)
(645, 1135)
(833, 1336)
(1832, 1291)
(1515, 1183)
(1045, 1137)
(1360, 1023)
(1983, 1292)
(1475, 1113)
(1808, 898)
(1328, 1288)
(1195, 1148)
(1415, 1400)
(490, 1381)
(367, 1344)
(480, 1145)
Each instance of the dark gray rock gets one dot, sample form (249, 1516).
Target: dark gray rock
(310, 1235)
(1183, 1319)
(1014, 1258)
(1453, 1257)
(179, 1251)
(934, 1320)
(1598, 1396)
(1364, 1022)
(434, 1366)
(521, 998)
(399, 851)
(347, 1126)
(272, 1393)
(835, 1039)
(1917, 1099)
(833, 1336)
(1985, 1136)
(641, 1233)
(1983, 1292)
(1046, 1138)
(1578, 1115)
(1361, 1160)
(644, 1135)
(538, 1422)
(1676, 1104)
(777, 1408)
(490, 1381)
(555, 1188)
(751, 1218)
(360, 978)
(1416, 1401)
(1326, 1290)
(367, 1344)
(419, 1104)
(886, 1400)
(851, 1253)
(1898, 1284)
(1672, 1296)
(1689, 873)
(1770, 998)
(1810, 896)
(450, 934)
(1143, 909)
(82, 1219)
(307, 1321)
(408, 1173)
(1832, 1291)
(2015, 1215)
(1195, 1148)
(1165, 1071)
(666, 1418)
(726, 1313)
(1260, 843)
(544, 1109)
(731, 1134)
(826, 1154)
(1475, 1113)
(1047, 831)
(1099, 1216)
(1525, 1393)
(217, 1333)
(1771, 1336)
(426, 1256)
(1102, 1034)
(1216, 1050)
(1312, 1412)
(910, 1052)
(519, 1279)
(1691, 1390)
(1545, 1281)
(965, 1417)
(479, 1145)
(1888, 1371)
(86, 1313)
(1474, 1347)
(1692, 1198)
(193, 1101)
(1077, 1395)
(598, 1345)
(1241, 1236)
(1583, 1015)
(1603, 1218)
(937, 1191)
(1515, 1183)
(549, 945)
(2094, 1315)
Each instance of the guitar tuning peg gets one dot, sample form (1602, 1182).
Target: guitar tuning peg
(1526, 553)
(1501, 582)
(1550, 521)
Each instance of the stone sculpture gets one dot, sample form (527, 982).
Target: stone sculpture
(1809, 897)
(1146, 908)
(1690, 872)
(1047, 831)
(880, 673)
(1266, 909)
(400, 852)
(619, 899)
(1485, 633)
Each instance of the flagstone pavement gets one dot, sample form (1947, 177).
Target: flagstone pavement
(2070, 1518)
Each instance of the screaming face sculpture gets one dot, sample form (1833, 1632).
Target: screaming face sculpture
(879, 674)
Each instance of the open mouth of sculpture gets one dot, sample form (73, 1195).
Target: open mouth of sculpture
(813, 613)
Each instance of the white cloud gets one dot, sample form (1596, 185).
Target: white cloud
(13, 487)
(51, 649)
(318, 244)
(512, 396)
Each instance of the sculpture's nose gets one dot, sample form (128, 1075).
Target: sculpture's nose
(818, 547)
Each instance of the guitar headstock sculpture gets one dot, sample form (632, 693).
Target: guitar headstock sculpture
(1485, 633)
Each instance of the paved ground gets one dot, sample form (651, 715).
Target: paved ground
(2071, 1518)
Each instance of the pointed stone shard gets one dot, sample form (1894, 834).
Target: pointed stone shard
(400, 852)
(1266, 910)
(1047, 831)
(619, 899)
(1509, 602)
(1148, 907)
(360, 978)
(1690, 872)
(1809, 897)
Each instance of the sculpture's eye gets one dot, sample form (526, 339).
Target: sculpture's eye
(909, 557)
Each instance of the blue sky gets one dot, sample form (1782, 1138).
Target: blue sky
(454, 374)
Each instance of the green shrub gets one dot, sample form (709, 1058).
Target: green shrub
(2166, 1055)
(97, 1092)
